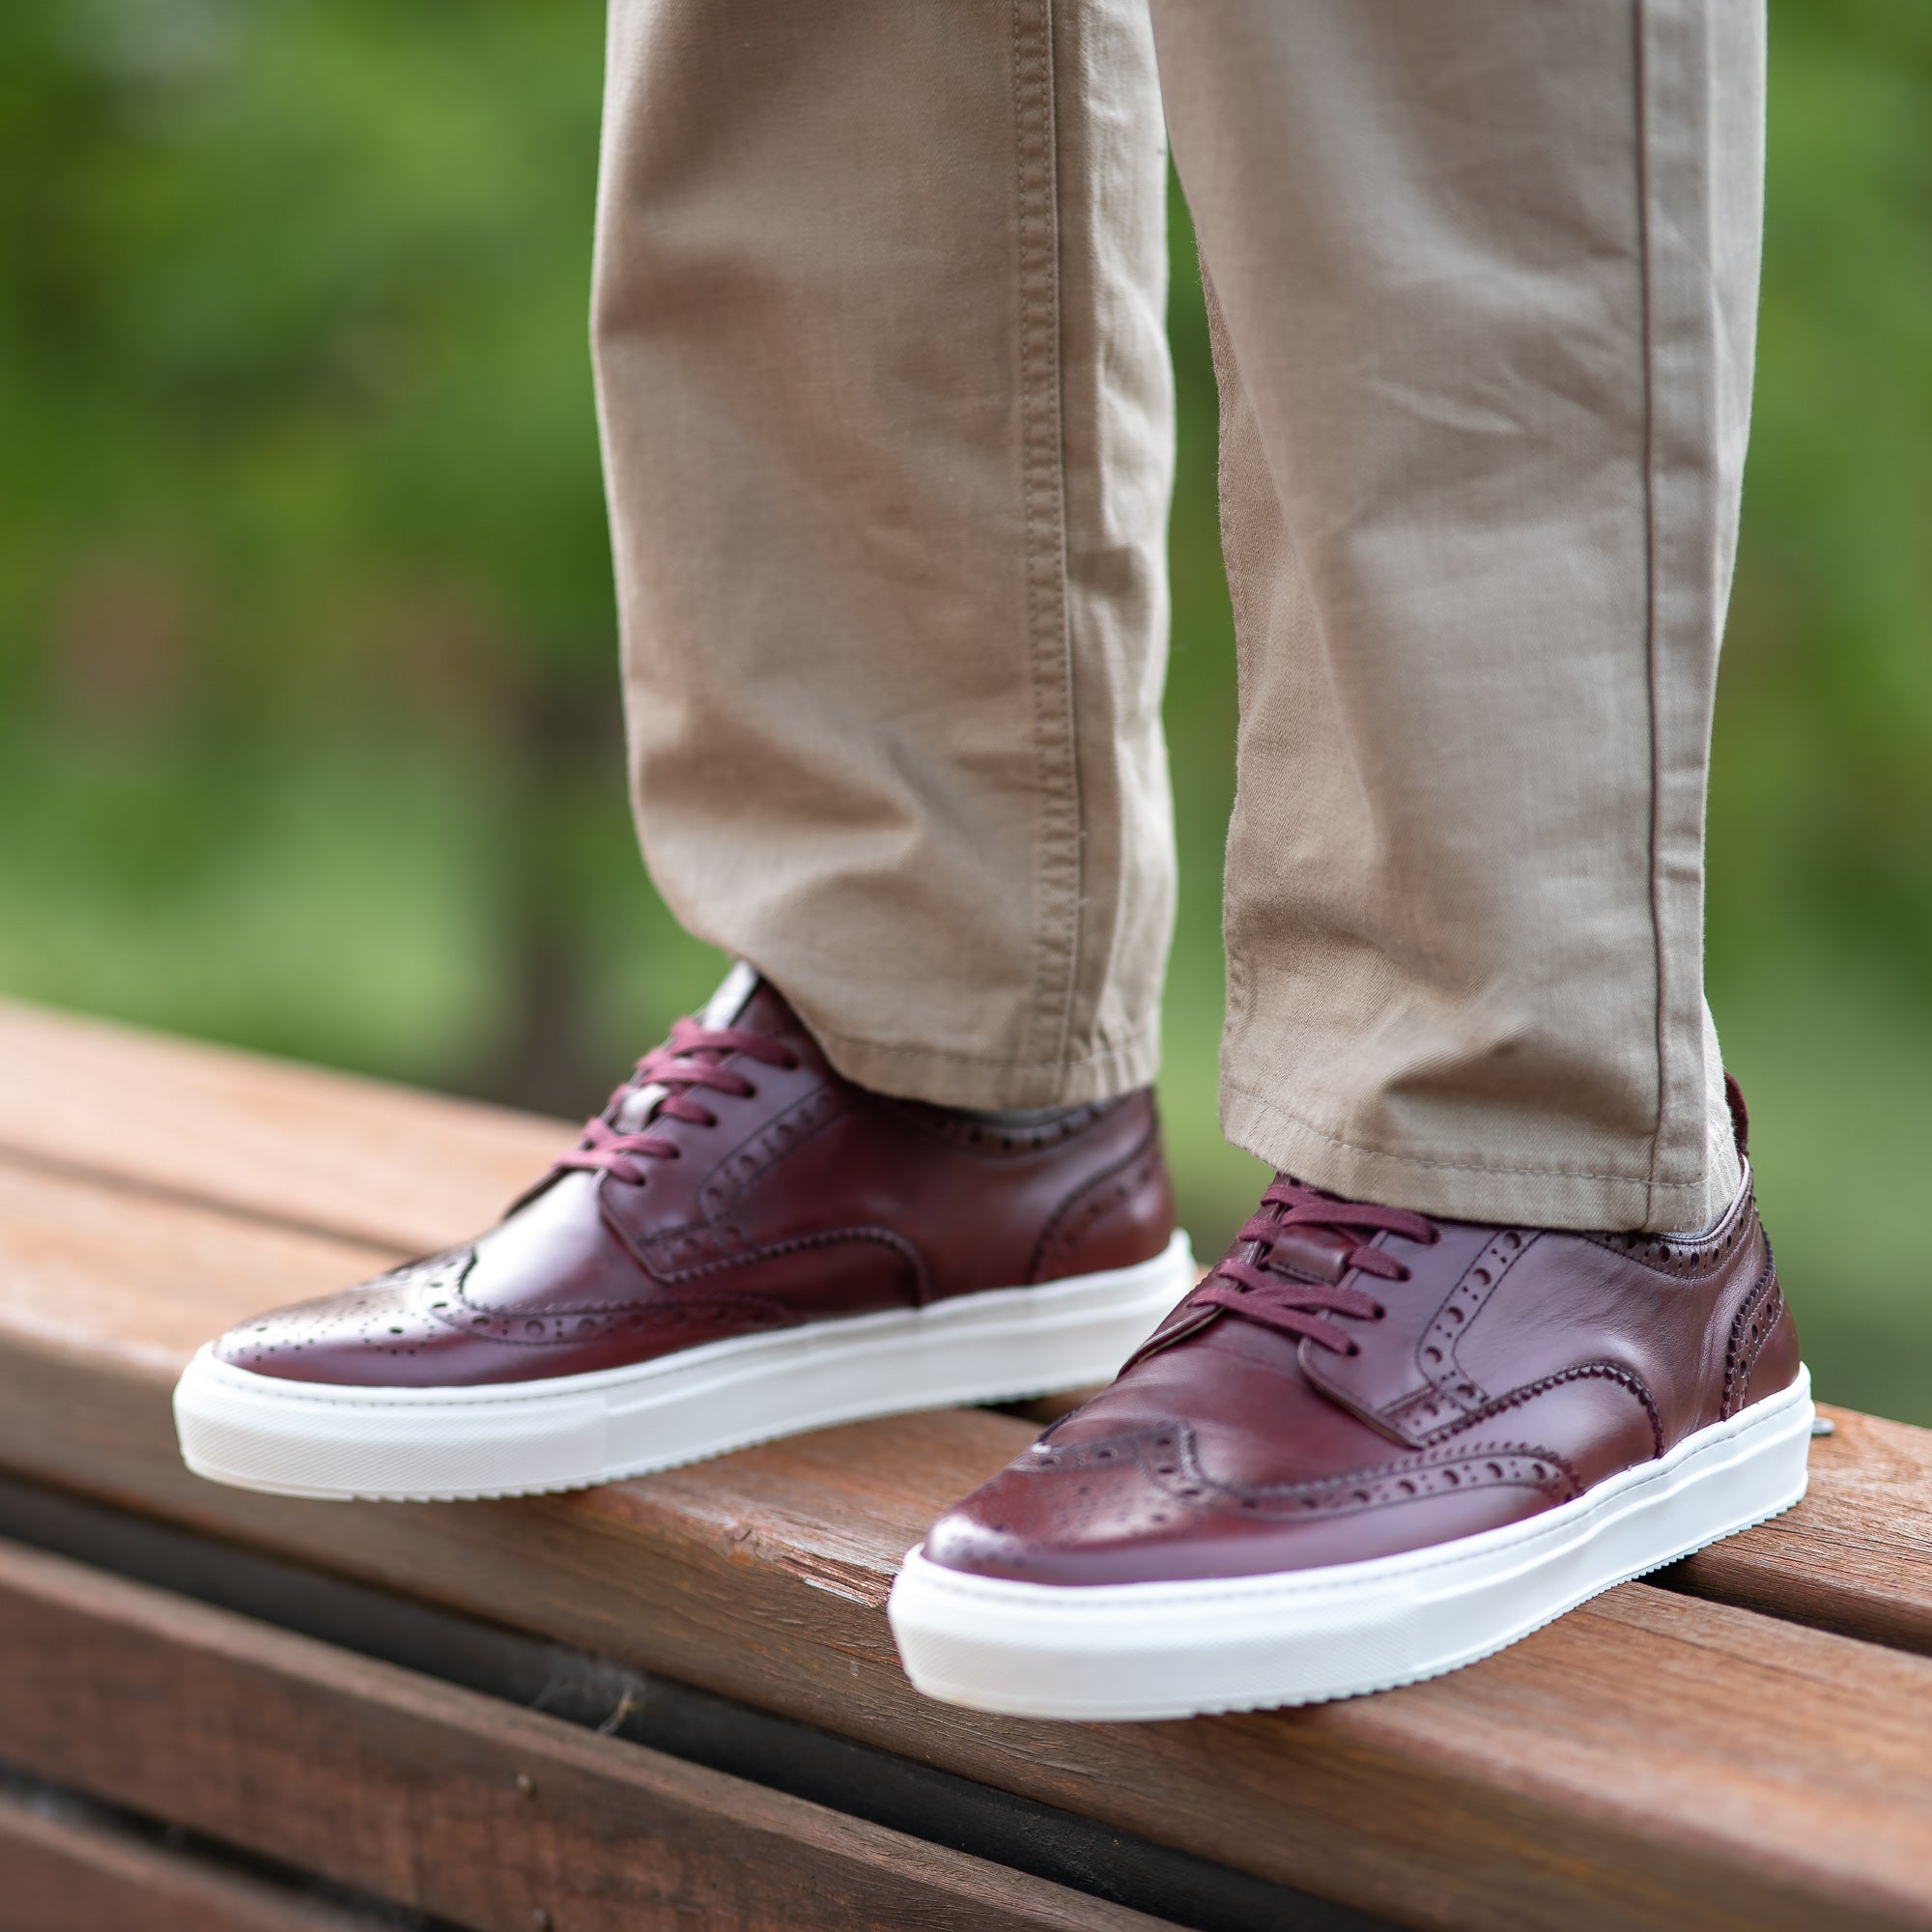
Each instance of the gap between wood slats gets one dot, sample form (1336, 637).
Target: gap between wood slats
(460, 1806)
(612, 1700)
(68, 1863)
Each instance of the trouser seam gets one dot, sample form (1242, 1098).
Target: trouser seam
(1057, 886)
(1646, 348)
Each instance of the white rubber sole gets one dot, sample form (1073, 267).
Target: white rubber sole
(1125, 1651)
(519, 1438)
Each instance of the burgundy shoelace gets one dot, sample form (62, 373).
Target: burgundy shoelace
(690, 1058)
(1253, 1288)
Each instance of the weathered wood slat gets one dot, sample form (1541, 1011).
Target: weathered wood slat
(392, 1172)
(441, 1800)
(67, 1874)
(138, 1278)
(1856, 1556)
(371, 1162)
(1653, 1758)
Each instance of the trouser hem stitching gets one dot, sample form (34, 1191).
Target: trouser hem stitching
(1274, 1110)
(1128, 1043)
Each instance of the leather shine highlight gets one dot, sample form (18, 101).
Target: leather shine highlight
(809, 1199)
(1512, 1370)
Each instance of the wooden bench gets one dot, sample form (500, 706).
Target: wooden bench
(675, 1702)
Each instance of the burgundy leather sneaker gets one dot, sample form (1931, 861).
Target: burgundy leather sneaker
(742, 1245)
(1369, 1447)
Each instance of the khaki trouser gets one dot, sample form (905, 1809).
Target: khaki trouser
(887, 426)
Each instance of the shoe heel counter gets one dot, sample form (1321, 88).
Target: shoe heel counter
(1777, 1360)
(1763, 1355)
(1119, 1217)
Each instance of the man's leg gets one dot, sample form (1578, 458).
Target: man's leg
(1483, 283)
(887, 421)
(886, 407)
(1483, 277)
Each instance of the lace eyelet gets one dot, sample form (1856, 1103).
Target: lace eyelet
(751, 1092)
(1407, 1274)
(1354, 1349)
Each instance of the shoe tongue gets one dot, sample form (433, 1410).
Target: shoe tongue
(742, 999)
(726, 1005)
(759, 1008)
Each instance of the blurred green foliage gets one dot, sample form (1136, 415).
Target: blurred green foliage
(308, 732)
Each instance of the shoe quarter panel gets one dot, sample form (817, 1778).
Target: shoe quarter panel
(1568, 1303)
(769, 1220)
(1664, 1317)
(1388, 1380)
(1595, 1420)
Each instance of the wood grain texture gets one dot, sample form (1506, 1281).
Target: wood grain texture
(1856, 1556)
(389, 1171)
(60, 1872)
(1653, 1758)
(136, 1278)
(441, 1800)
(378, 1164)
(1650, 1758)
